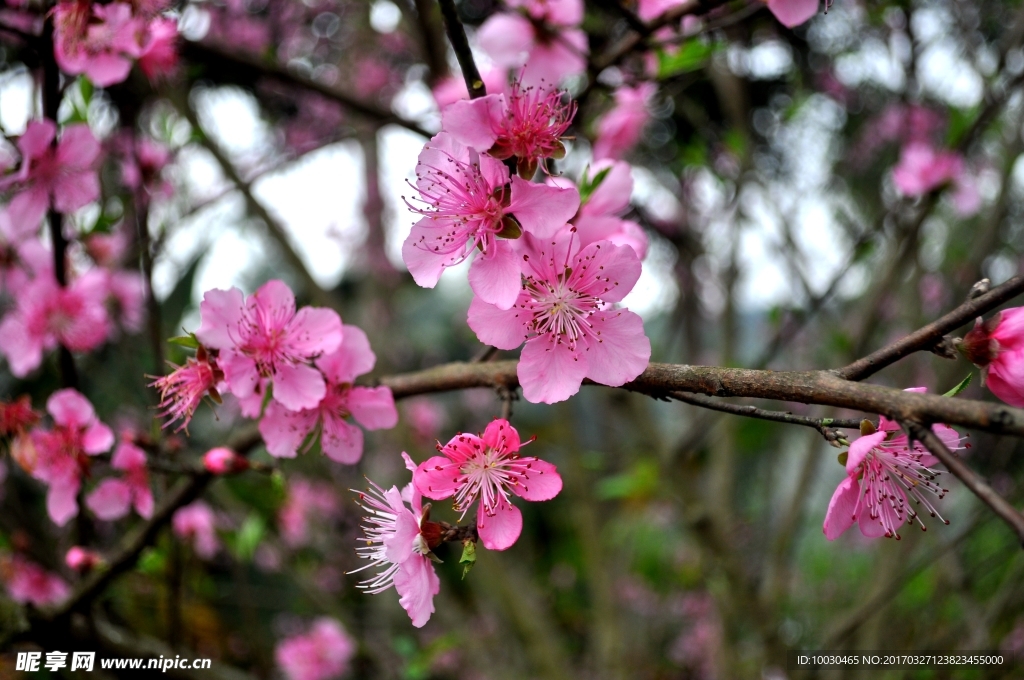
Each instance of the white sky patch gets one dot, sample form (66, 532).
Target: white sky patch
(16, 100)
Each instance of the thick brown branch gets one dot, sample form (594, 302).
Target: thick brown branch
(225, 66)
(972, 481)
(930, 335)
(807, 387)
(457, 37)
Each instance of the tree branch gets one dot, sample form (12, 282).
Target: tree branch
(229, 67)
(457, 37)
(1000, 506)
(808, 387)
(930, 335)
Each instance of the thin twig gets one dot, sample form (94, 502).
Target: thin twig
(825, 426)
(232, 67)
(971, 480)
(927, 337)
(457, 37)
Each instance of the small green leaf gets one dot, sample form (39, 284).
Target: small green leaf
(249, 536)
(468, 556)
(189, 341)
(842, 458)
(589, 185)
(960, 387)
(691, 56)
(152, 561)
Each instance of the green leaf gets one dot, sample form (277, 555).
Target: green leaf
(152, 561)
(249, 536)
(188, 341)
(691, 56)
(960, 387)
(86, 87)
(173, 308)
(589, 185)
(468, 556)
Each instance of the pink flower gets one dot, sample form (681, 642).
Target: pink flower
(103, 46)
(599, 218)
(565, 315)
(321, 654)
(195, 522)
(881, 472)
(264, 337)
(488, 468)
(469, 205)
(398, 541)
(923, 168)
(305, 499)
(47, 314)
(620, 129)
(183, 389)
(997, 346)
(372, 407)
(114, 497)
(652, 9)
(63, 177)
(425, 417)
(224, 461)
(158, 57)
(527, 123)
(82, 559)
(792, 13)
(17, 416)
(28, 582)
(61, 454)
(541, 38)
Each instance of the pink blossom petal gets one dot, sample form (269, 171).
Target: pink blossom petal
(425, 264)
(621, 352)
(542, 209)
(78, 148)
(500, 531)
(240, 373)
(24, 350)
(496, 279)
(417, 583)
(594, 228)
(500, 435)
(69, 408)
(341, 441)
(1005, 378)
(549, 371)
(110, 500)
(37, 138)
(108, 69)
(314, 330)
(62, 499)
(607, 270)
(1009, 333)
(142, 499)
(870, 527)
(353, 358)
(860, 448)
(297, 386)
(504, 329)
(542, 482)
(220, 312)
(506, 38)
(284, 431)
(792, 13)
(473, 122)
(98, 438)
(560, 58)
(27, 208)
(398, 546)
(437, 478)
(841, 509)
(373, 407)
(612, 195)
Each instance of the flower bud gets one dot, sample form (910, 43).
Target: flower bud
(223, 461)
(82, 559)
(978, 346)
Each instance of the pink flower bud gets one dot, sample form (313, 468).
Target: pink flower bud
(82, 559)
(223, 461)
(997, 345)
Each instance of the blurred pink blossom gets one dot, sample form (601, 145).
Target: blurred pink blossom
(305, 500)
(321, 654)
(28, 582)
(620, 129)
(101, 46)
(541, 39)
(196, 523)
(113, 498)
(923, 168)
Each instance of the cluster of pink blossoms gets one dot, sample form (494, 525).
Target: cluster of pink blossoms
(320, 654)
(399, 536)
(60, 457)
(548, 271)
(292, 369)
(102, 41)
(883, 473)
(60, 176)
